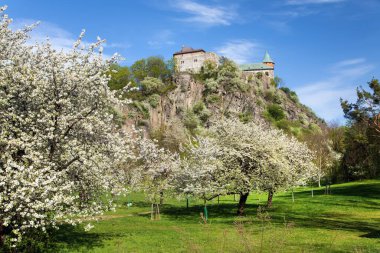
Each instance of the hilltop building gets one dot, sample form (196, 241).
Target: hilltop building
(189, 59)
(266, 67)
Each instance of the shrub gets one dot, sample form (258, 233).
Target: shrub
(201, 111)
(154, 100)
(284, 125)
(245, 117)
(209, 70)
(190, 120)
(260, 102)
(211, 85)
(141, 108)
(276, 112)
(151, 85)
(292, 95)
(198, 107)
(213, 99)
(277, 98)
(269, 95)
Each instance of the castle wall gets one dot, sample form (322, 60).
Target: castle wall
(193, 61)
(269, 73)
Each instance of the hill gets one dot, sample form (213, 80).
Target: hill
(192, 100)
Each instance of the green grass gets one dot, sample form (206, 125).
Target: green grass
(348, 220)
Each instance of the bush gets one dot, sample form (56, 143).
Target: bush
(211, 86)
(154, 100)
(151, 85)
(201, 111)
(292, 95)
(213, 99)
(269, 95)
(245, 117)
(141, 108)
(190, 120)
(276, 112)
(209, 70)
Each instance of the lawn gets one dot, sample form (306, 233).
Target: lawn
(348, 220)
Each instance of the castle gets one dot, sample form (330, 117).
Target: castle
(189, 59)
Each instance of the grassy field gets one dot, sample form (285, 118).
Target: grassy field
(348, 220)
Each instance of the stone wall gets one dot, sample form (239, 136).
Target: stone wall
(193, 61)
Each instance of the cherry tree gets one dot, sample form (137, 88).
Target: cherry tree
(153, 172)
(259, 157)
(60, 149)
(201, 173)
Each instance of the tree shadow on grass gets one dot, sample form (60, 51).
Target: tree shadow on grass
(75, 238)
(223, 212)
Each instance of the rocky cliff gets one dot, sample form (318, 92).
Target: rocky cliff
(191, 105)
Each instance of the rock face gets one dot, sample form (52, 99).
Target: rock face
(251, 104)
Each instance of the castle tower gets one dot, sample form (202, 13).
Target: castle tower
(268, 60)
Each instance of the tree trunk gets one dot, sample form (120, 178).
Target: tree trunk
(2, 235)
(158, 216)
(242, 201)
(161, 198)
(292, 195)
(320, 172)
(270, 198)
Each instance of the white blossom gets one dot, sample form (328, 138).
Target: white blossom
(60, 150)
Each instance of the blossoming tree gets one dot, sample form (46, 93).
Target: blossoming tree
(60, 150)
(153, 172)
(261, 158)
(201, 173)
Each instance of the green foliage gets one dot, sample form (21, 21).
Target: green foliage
(141, 108)
(269, 95)
(315, 128)
(151, 85)
(201, 111)
(275, 112)
(209, 70)
(292, 95)
(191, 120)
(342, 222)
(245, 117)
(260, 102)
(250, 78)
(277, 82)
(277, 98)
(153, 66)
(213, 99)
(199, 107)
(118, 117)
(229, 76)
(139, 70)
(154, 100)
(211, 86)
(156, 67)
(120, 77)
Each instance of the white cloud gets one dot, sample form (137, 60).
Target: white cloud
(205, 14)
(324, 95)
(161, 39)
(303, 2)
(241, 51)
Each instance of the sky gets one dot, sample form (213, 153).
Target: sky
(323, 49)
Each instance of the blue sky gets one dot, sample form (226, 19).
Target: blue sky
(323, 49)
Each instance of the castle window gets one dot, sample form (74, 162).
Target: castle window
(195, 60)
(182, 62)
(266, 73)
